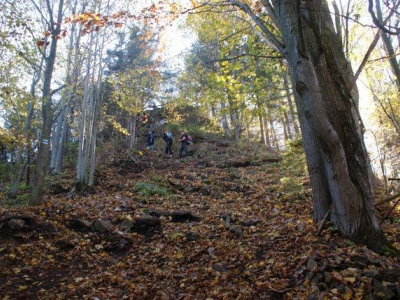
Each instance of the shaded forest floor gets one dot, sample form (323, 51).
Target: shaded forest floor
(210, 226)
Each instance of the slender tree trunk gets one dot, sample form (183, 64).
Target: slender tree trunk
(389, 47)
(28, 120)
(94, 107)
(56, 140)
(267, 136)
(234, 117)
(262, 130)
(96, 113)
(236, 125)
(89, 131)
(93, 147)
(67, 96)
(261, 122)
(286, 127)
(273, 135)
(293, 115)
(28, 136)
(224, 121)
(83, 133)
(47, 111)
(63, 139)
(132, 132)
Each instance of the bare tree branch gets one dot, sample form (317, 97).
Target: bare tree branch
(260, 24)
(382, 26)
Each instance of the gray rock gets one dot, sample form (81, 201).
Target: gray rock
(102, 226)
(126, 225)
(80, 225)
(16, 224)
(311, 264)
(47, 227)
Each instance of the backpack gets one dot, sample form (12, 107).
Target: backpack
(169, 136)
(151, 138)
(189, 139)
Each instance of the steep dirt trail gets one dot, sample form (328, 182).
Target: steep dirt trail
(210, 226)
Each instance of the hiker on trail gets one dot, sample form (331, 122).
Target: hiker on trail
(168, 138)
(184, 144)
(150, 136)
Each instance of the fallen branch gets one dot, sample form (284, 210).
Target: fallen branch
(321, 226)
(390, 211)
(391, 198)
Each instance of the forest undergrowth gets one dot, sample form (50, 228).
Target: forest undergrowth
(213, 225)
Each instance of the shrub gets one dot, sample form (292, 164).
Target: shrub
(148, 189)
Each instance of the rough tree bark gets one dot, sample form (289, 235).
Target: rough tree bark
(321, 77)
(332, 133)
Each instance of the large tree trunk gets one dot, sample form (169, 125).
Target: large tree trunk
(337, 158)
(47, 111)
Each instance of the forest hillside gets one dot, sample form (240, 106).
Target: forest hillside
(216, 224)
(289, 188)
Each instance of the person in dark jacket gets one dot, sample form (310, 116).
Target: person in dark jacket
(150, 136)
(184, 144)
(168, 138)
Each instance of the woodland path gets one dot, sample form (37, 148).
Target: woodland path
(210, 226)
